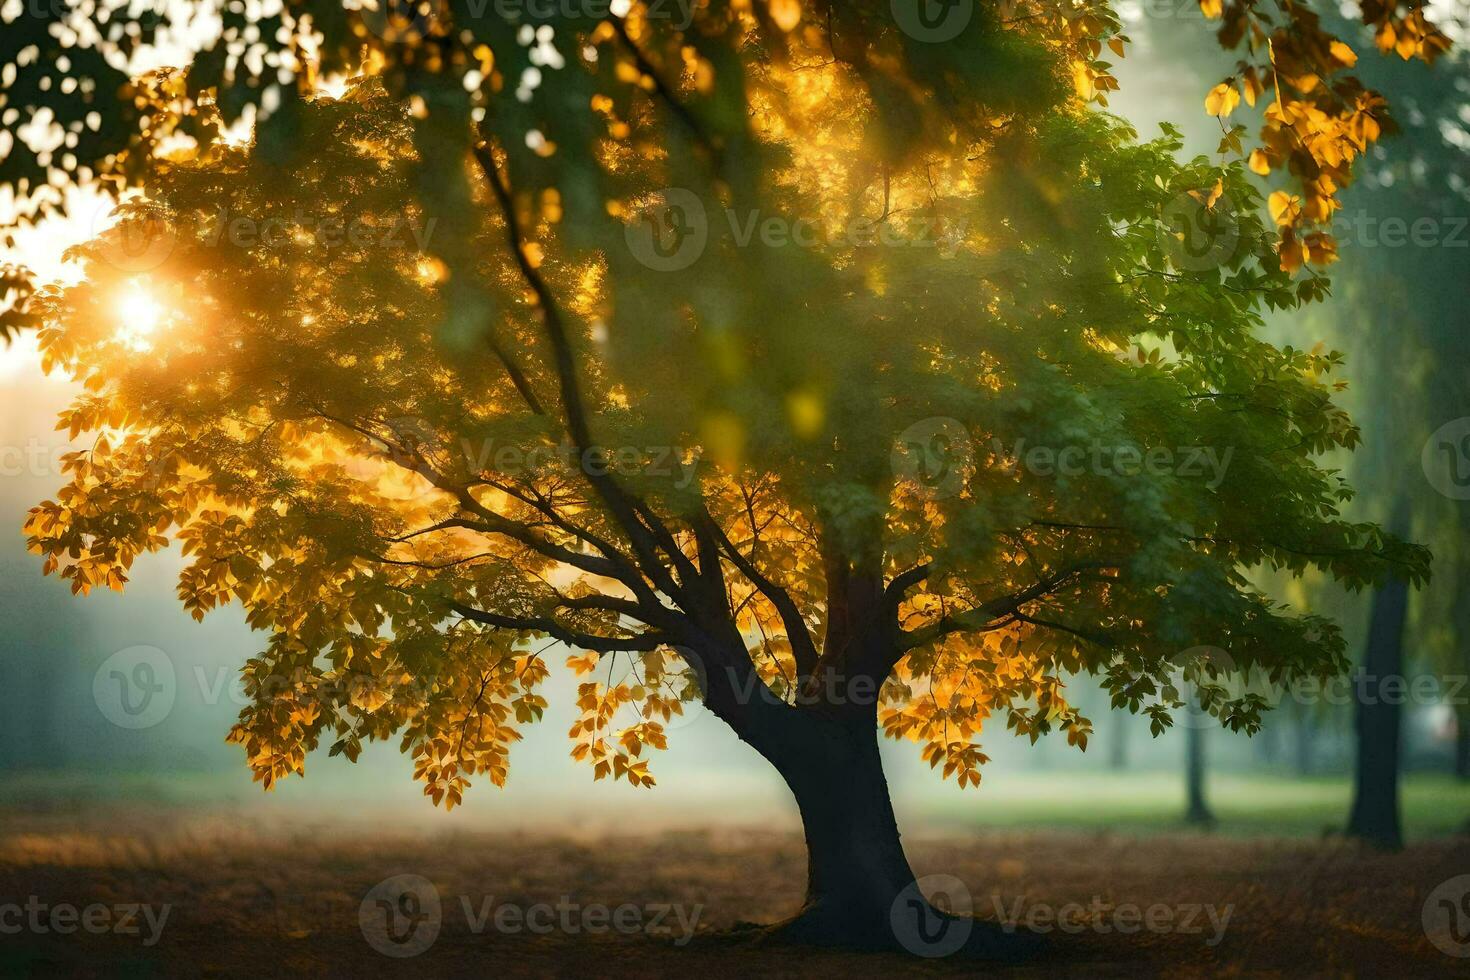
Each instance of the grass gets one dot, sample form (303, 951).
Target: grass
(1245, 805)
(1135, 802)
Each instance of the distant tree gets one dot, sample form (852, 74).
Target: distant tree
(1410, 278)
(1378, 716)
(786, 470)
(1197, 809)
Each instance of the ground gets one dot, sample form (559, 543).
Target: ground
(253, 894)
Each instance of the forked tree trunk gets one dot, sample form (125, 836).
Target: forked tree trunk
(1375, 813)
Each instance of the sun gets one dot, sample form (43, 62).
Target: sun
(139, 316)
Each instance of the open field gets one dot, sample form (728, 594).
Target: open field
(1245, 805)
(252, 892)
(1130, 802)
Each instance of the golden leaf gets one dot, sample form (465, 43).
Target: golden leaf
(1222, 100)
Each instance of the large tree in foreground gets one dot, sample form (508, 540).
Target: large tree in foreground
(858, 397)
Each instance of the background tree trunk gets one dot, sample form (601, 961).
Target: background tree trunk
(1375, 813)
(1118, 755)
(1197, 810)
(1462, 744)
(1306, 734)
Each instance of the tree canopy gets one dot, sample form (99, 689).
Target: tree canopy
(804, 365)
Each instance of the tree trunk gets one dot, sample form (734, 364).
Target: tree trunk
(861, 892)
(1306, 732)
(1198, 811)
(1462, 745)
(1375, 813)
(856, 868)
(1119, 754)
(1265, 744)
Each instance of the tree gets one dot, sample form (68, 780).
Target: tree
(1197, 809)
(834, 378)
(1411, 426)
(1375, 812)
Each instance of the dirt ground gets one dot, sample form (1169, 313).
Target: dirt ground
(248, 897)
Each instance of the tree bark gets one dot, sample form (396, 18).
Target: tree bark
(1375, 813)
(861, 892)
(856, 867)
(1306, 732)
(1198, 810)
(1462, 745)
